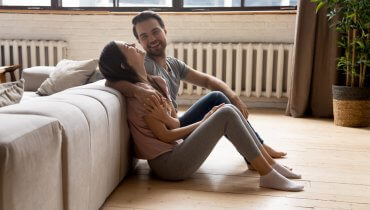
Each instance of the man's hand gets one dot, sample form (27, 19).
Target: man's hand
(241, 106)
(148, 96)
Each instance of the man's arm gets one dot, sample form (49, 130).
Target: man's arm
(215, 84)
(131, 90)
(126, 88)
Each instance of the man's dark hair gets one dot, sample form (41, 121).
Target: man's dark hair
(143, 16)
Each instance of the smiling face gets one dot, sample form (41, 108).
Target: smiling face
(152, 37)
(134, 57)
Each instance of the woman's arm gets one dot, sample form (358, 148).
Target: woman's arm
(159, 112)
(164, 134)
(146, 97)
(126, 88)
(172, 122)
(173, 110)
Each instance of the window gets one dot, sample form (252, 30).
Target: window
(25, 3)
(87, 3)
(145, 3)
(212, 3)
(270, 3)
(157, 5)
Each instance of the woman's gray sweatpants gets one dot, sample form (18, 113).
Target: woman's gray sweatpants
(188, 156)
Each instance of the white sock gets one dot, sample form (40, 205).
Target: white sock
(275, 180)
(285, 171)
(287, 167)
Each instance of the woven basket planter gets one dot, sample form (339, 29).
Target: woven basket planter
(351, 106)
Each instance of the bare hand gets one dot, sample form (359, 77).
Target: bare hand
(213, 110)
(157, 110)
(168, 105)
(242, 107)
(148, 96)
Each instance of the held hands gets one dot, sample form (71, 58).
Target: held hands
(213, 110)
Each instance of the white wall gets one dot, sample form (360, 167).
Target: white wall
(87, 34)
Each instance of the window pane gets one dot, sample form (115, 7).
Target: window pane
(212, 3)
(87, 3)
(25, 3)
(249, 3)
(145, 3)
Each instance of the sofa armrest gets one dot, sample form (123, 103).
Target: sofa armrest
(35, 76)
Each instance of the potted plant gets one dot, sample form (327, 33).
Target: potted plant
(351, 97)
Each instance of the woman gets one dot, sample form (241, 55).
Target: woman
(174, 152)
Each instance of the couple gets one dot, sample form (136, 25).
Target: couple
(176, 147)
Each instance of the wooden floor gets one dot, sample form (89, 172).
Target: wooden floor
(334, 162)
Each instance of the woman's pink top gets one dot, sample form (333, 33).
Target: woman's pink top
(147, 146)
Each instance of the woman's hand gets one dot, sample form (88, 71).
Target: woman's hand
(162, 113)
(213, 110)
(156, 109)
(147, 96)
(168, 105)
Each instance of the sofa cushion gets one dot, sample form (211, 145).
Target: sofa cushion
(68, 74)
(30, 162)
(27, 95)
(75, 145)
(96, 76)
(35, 76)
(94, 133)
(11, 92)
(115, 149)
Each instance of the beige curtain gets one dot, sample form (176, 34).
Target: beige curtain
(315, 50)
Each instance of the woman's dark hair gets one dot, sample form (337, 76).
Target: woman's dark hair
(143, 16)
(114, 67)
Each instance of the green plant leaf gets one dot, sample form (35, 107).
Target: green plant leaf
(319, 6)
(361, 44)
(351, 19)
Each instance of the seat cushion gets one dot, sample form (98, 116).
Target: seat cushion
(30, 162)
(76, 153)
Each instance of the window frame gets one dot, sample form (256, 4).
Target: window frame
(177, 6)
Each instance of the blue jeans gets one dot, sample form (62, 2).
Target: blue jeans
(197, 111)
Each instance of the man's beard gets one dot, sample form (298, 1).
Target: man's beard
(157, 51)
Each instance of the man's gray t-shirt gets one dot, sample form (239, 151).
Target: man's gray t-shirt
(177, 71)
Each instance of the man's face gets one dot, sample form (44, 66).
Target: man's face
(152, 37)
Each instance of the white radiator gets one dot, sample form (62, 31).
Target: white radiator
(31, 53)
(250, 69)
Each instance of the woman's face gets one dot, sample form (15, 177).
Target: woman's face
(134, 56)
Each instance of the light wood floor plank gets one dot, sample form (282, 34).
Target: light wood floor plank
(334, 163)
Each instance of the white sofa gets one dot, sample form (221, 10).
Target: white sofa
(65, 151)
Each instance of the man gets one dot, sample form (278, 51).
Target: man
(149, 30)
